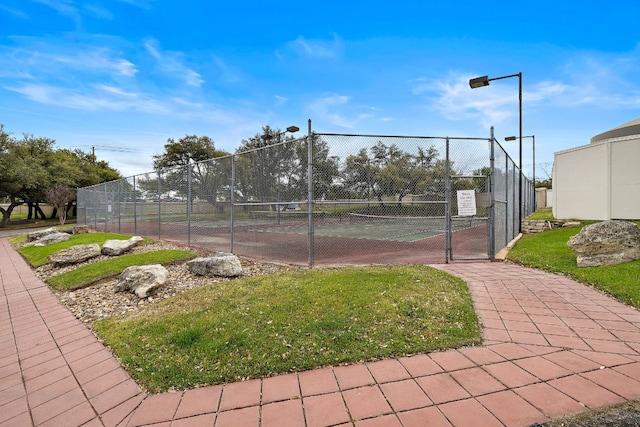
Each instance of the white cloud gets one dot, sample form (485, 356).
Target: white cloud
(187, 103)
(125, 67)
(97, 10)
(13, 11)
(115, 91)
(101, 97)
(105, 98)
(172, 63)
(339, 110)
(329, 108)
(317, 48)
(151, 48)
(608, 80)
(39, 59)
(68, 9)
(142, 4)
(65, 8)
(227, 74)
(452, 97)
(192, 78)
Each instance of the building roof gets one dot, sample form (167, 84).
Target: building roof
(627, 129)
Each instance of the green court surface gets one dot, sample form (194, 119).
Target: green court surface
(393, 229)
(398, 229)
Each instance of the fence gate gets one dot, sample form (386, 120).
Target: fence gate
(469, 218)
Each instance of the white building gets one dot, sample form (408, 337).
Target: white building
(601, 180)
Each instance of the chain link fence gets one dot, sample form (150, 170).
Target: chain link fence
(343, 199)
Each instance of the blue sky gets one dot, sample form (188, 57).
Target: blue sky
(124, 75)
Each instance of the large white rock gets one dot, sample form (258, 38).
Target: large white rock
(143, 280)
(75, 254)
(52, 238)
(606, 243)
(222, 264)
(118, 247)
(38, 234)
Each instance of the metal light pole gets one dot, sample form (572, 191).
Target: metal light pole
(533, 138)
(484, 81)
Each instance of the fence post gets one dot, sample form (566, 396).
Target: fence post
(189, 203)
(106, 207)
(448, 251)
(135, 208)
(233, 198)
(159, 204)
(95, 208)
(492, 211)
(84, 198)
(516, 203)
(119, 207)
(310, 192)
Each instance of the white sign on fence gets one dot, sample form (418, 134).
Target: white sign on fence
(466, 202)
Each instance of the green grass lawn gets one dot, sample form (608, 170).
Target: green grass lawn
(87, 274)
(37, 255)
(544, 214)
(549, 251)
(20, 221)
(265, 325)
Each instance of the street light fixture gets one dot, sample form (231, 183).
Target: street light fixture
(533, 137)
(479, 82)
(484, 81)
(290, 129)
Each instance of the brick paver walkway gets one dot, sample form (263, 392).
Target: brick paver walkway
(552, 347)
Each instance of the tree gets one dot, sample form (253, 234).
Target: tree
(266, 167)
(359, 174)
(545, 183)
(386, 170)
(325, 169)
(59, 197)
(182, 152)
(22, 170)
(31, 165)
(12, 170)
(197, 154)
(89, 170)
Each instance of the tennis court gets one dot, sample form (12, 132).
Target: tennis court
(373, 227)
(338, 239)
(373, 199)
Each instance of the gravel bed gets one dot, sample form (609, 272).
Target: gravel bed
(99, 301)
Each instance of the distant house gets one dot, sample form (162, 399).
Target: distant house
(601, 180)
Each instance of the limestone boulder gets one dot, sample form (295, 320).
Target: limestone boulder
(142, 280)
(606, 243)
(52, 238)
(221, 265)
(118, 247)
(80, 229)
(38, 234)
(74, 254)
